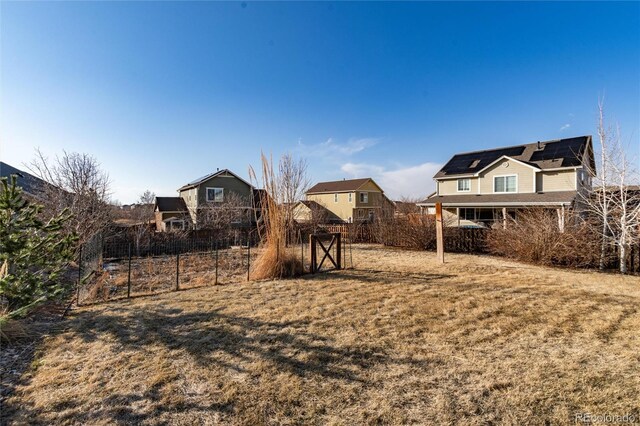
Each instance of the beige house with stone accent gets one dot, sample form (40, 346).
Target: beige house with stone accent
(481, 187)
(346, 201)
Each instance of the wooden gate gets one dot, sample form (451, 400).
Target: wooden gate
(333, 240)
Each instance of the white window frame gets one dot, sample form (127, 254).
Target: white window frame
(335, 198)
(214, 194)
(468, 180)
(350, 197)
(176, 221)
(505, 184)
(364, 197)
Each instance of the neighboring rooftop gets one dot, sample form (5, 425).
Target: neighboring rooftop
(552, 154)
(516, 199)
(29, 183)
(204, 178)
(170, 204)
(338, 185)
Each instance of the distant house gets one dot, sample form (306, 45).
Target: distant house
(307, 211)
(482, 187)
(171, 214)
(351, 200)
(30, 184)
(221, 189)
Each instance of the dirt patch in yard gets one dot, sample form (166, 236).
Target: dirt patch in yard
(398, 340)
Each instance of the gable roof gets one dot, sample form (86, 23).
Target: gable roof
(170, 204)
(29, 183)
(204, 178)
(554, 154)
(340, 186)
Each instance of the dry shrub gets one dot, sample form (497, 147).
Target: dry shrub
(412, 231)
(12, 330)
(536, 238)
(274, 261)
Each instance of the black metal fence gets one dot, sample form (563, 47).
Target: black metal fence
(117, 269)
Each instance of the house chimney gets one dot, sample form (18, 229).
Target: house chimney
(539, 146)
(218, 168)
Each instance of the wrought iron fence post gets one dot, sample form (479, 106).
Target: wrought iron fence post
(129, 275)
(79, 276)
(177, 271)
(248, 257)
(216, 282)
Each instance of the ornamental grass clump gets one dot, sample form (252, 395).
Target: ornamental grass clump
(275, 260)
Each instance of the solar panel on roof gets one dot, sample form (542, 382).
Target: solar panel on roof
(460, 164)
(567, 149)
(201, 178)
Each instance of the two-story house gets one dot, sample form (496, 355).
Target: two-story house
(222, 188)
(347, 200)
(482, 187)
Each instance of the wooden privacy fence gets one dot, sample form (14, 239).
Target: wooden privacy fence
(355, 232)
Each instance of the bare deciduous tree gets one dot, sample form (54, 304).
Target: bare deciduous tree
(76, 182)
(142, 214)
(294, 182)
(613, 205)
(220, 217)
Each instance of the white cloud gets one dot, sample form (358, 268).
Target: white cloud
(331, 148)
(565, 127)
(413, 181)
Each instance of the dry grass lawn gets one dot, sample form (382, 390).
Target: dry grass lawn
(399, 340)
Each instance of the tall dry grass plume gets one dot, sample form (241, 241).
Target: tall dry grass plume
(275, 260)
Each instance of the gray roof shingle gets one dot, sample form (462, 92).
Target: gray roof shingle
(171, 204)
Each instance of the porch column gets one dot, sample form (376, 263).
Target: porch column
(504, 218)
(458, 214)
(561, 214)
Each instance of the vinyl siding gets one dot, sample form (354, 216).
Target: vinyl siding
(525, 176)
(563, 180)
(374, 199)
(342, 209)
(369, 186)
(230, 185)
(450, 187)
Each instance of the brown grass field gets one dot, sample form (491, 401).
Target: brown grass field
(398, 340)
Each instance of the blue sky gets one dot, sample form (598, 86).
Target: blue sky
(164, 92)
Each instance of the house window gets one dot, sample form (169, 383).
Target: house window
(360, 213)
(335, 198)
(505, 183)
(364, 197)
(176, 224)
(215, 194)
(350, 197)
(464, 185)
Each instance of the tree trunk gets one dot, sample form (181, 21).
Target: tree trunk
(603, 246)
(623, 257)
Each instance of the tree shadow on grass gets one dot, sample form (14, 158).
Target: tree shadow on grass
(380, 277)
(210, 339)
(216, 338)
